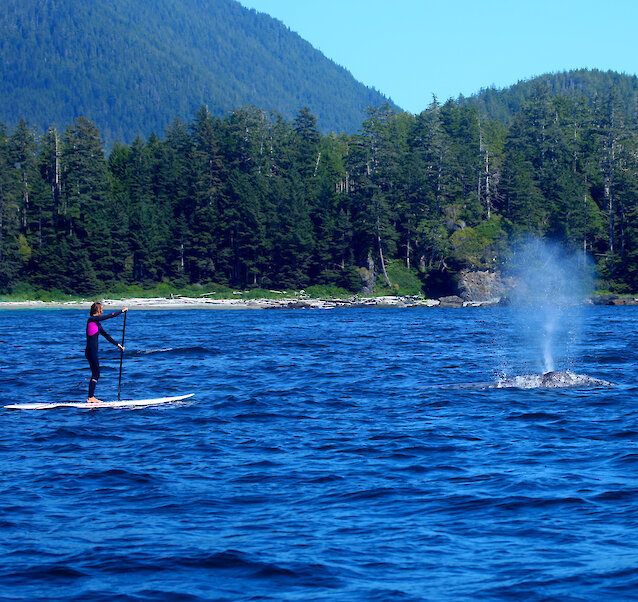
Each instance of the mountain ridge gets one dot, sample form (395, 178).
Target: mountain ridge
(134, 67)
(503, 104)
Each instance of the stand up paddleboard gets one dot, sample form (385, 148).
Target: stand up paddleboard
(102, 404)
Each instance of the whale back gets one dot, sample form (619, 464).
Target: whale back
(552, 380)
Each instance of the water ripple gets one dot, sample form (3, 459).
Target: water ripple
(325, 456)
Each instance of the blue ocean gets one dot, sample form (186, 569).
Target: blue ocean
(350, 454)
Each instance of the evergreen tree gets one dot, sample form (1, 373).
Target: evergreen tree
(24, 145)
(429, 150)
(179, 185)
(208, 181)
(11, 260)
(84, 194)
(305, 142)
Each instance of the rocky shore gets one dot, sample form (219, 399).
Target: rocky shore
(613, 300)
(296, 302)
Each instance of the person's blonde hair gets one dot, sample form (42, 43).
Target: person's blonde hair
(95, 308)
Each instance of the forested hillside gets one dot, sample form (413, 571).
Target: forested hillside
(586, 85)
(133, 66)
(253, 200)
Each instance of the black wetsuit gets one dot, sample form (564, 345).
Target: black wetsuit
(93, 330)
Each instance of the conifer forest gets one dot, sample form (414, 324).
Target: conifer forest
(251, 200)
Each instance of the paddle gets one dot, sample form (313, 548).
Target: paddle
(119, 384)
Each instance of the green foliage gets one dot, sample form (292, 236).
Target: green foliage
(253, 203)
(327, 291)
(481, 246)
(22, 291)
(403, 281)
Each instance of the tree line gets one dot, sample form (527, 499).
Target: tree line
(253, 200)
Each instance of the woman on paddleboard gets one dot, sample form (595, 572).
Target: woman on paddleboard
(93, 330)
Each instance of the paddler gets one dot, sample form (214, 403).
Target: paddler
(93, 330)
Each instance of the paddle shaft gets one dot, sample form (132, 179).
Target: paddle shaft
(119, 383)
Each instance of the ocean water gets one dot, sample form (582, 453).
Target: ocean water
(326, 455)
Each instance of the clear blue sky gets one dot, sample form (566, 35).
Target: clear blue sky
(412, 49)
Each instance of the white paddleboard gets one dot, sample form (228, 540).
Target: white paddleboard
(102, 404)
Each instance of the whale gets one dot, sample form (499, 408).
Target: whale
(555, 379)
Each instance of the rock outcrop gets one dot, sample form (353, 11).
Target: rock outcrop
(480, 286)
(451, 301)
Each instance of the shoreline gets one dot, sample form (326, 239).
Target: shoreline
(156, 303)
(159, 303)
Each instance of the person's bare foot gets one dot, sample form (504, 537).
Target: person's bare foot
(93, 400)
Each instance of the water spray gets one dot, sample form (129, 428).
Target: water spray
(547, 289)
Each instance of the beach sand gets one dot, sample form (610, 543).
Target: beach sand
(207, 303)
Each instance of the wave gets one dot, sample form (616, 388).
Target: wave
(168, 350)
